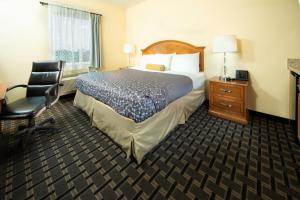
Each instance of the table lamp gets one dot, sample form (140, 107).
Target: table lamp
(224, 44)
(128, 49)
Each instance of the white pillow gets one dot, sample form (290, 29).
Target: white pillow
(186, 63)
(158, 59)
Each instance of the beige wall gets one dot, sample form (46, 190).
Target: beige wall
(24, 35)
(268, 33)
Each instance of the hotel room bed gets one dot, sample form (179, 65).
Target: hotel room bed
(147, 116)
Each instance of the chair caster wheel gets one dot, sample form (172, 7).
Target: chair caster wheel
(52, 121)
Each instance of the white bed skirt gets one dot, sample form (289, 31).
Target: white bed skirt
(138, 139)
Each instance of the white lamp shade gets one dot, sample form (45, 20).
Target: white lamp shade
(224, 43)
(128, 48)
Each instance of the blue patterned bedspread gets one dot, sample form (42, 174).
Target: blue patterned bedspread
(133, 93)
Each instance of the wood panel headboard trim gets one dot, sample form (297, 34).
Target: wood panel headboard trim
(174, 46)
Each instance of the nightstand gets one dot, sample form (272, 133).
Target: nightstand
(228, 99)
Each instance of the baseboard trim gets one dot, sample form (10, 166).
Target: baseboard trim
(273, 117)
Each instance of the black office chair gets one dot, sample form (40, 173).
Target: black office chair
(42, 92)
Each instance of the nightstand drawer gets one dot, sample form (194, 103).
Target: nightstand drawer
(227, 105)
(228, 90)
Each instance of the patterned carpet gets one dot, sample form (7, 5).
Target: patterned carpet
(207, 158)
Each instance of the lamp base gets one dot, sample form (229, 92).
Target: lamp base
(224, 78)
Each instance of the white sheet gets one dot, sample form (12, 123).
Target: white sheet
(197, 78)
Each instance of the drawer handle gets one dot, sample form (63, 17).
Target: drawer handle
(226, 91)
(226, 105)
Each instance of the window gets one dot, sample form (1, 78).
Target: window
(71, 37)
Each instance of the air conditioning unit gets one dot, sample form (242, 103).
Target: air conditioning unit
(69, 86)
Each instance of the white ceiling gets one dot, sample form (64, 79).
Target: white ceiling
(125, 3)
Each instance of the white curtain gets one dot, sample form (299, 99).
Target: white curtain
(70, 37)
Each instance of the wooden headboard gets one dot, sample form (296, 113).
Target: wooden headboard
(174, 46)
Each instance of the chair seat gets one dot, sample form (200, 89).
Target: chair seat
(23, 108)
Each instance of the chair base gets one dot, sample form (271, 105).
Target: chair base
(24, 134)
(47, 124)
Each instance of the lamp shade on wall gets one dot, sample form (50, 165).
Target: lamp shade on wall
(224, 44)
(128, 48)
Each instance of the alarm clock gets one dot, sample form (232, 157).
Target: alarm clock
(241, 75)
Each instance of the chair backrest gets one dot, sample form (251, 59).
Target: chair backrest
(44, 75)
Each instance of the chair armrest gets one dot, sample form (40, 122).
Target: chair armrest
(15, 86)
(47, 93)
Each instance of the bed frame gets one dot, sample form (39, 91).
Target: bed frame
(174, 46)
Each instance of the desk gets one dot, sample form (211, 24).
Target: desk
(3, 88)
